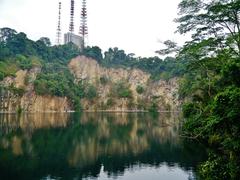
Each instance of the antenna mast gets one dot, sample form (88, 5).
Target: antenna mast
(71, 25)
(58, 40)
(83, 30)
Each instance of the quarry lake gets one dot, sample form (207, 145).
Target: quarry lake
(124, 146)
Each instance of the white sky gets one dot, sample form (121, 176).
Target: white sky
(136, 26)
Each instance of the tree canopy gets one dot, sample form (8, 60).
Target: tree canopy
(211, 84)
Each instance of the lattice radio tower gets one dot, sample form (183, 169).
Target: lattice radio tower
(58, 39)
(71, 25)
(83, 30)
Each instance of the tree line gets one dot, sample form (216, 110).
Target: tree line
(210, 84)
(17, 51)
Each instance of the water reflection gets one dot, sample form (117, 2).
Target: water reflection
(95, 145)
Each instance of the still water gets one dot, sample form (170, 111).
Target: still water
(104, 146)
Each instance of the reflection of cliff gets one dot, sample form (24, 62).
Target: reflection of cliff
(120, 134)
(86, 141)
(30, 122)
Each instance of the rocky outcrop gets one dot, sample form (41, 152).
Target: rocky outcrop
(28, 101)
(45, 104)
(161, 93)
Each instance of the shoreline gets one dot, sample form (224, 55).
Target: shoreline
(92, 111)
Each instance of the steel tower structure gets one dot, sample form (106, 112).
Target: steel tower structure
(71, 25)
(83, 30)
(58, 39)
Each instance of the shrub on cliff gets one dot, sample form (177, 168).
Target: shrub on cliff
(91, 92)
(140, 89)
(121, 90)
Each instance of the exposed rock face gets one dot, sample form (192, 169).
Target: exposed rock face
(160, 94)
(88, 69)
(29, 101)
(45, 104)
(163, 93)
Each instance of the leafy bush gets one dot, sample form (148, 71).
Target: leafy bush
(23, 62)
(121, 90)
(153, 107)
(8, 67)
(76, 103)
(2, 75)
(219, 167)
(110, 102)
(93, 52)
(140, 89)
(91, 92)
(189, 109)
(17, 91)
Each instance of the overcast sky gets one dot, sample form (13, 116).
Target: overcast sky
(136, 26)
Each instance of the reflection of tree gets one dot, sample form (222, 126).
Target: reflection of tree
(116, 141)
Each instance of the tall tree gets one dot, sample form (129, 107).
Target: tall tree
(6, 33)
(210, 84)
(216, 23)
(45, 40)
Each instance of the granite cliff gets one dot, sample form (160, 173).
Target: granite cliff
(139, 92)
(144, 93)
(27, 100)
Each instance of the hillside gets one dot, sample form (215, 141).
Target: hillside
(110, 89)
(35, 76)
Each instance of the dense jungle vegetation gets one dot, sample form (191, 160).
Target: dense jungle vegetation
(211, 85)
(19, 52)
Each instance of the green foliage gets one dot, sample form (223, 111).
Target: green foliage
(115, 57)
(12, 43)
(230, 73)
(45, 40)
(140, 89)
(158, 68)
(189, 110)
(16, 91)
(91, 92)
(211, 83)
(170, 48)
(76, 104)
(93, 52)
(8, 68)
(210, 21)
(51, 84)
(23, 62)
(216, 167)
(121, 90)
(1, 76)
(110, 102)
(19, 110)
(225, 117)
(56, 80)
(153, 107)
(19, 52)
